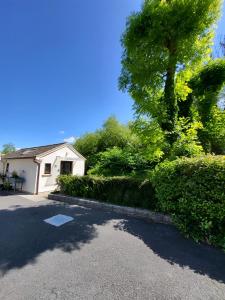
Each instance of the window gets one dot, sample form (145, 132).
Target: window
(66, 167)
(47, 169)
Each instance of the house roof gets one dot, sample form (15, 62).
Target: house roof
(32, 152)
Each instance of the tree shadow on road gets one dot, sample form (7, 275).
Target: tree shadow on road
(24, 236)
(166, 242)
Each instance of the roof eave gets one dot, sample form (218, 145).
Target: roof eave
(30, 157)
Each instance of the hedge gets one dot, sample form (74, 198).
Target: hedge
(117, 190)
(193, 191)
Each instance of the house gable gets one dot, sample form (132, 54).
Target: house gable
(70, 147)
(51, 161)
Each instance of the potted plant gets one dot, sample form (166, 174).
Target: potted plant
(15, 175)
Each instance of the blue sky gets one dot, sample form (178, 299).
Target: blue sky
(59, 68)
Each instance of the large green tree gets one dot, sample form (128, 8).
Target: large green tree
(6, 148)
(164, 38)
(112, 135)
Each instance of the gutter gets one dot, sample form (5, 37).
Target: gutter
(38, 174)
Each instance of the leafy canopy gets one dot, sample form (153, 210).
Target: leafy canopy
(112, 134)
(112, 150)
(160, 40)
(204, 104)
(7, 148)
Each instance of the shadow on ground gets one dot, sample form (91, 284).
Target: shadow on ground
(169, 244)
(12, 193)
(24, 236)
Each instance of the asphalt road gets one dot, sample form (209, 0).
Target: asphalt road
(100, 255)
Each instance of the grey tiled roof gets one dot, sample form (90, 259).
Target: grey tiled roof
(31, 152)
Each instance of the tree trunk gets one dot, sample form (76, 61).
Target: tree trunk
(168, 125)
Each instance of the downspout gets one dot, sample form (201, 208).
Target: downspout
(38, 174)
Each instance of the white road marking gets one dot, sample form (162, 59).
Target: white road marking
(58, 220)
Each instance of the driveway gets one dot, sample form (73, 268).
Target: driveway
(99, 255)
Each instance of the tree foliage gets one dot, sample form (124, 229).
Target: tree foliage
(203, 103)
(213, 135)
(87, 145)
(205, 87)
(114, 134)
(160, 40)
(7, 148)
(112, 150)
(119, 162)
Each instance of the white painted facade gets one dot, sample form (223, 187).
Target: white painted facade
(27, 169)
(33, 169)
(48, 182)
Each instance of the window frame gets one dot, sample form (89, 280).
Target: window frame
(46, 172)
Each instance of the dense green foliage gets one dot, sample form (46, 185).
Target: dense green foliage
(112, 134)
(204, 104)
(8, 148)
(205, 96)
(113, 150)
(200, 126)
(117, 161)
(193, 191)
(214, 132)
(117, 190)
(206, 86)
(164, 37)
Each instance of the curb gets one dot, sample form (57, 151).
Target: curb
(129, 211)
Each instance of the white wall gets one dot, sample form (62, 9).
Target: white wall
(48, 182)
(1, 166)
(27, 169)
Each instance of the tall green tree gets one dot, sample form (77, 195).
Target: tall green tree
(112, 135)
(7, 148)
(165, 37)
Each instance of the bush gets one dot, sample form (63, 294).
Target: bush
(118, 190)
(6, 186)
(14, 174)
(193, 191)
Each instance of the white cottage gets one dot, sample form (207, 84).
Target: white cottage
(40, 166)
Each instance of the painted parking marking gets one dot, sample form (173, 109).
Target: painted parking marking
(58, 220)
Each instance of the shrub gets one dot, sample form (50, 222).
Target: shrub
(7, 186)
(14, 174)
(118, 190)
(193, 191)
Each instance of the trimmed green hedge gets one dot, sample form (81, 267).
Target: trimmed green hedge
(193, 191)
(117, 190)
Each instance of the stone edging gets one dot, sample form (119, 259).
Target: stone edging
(130, 211)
